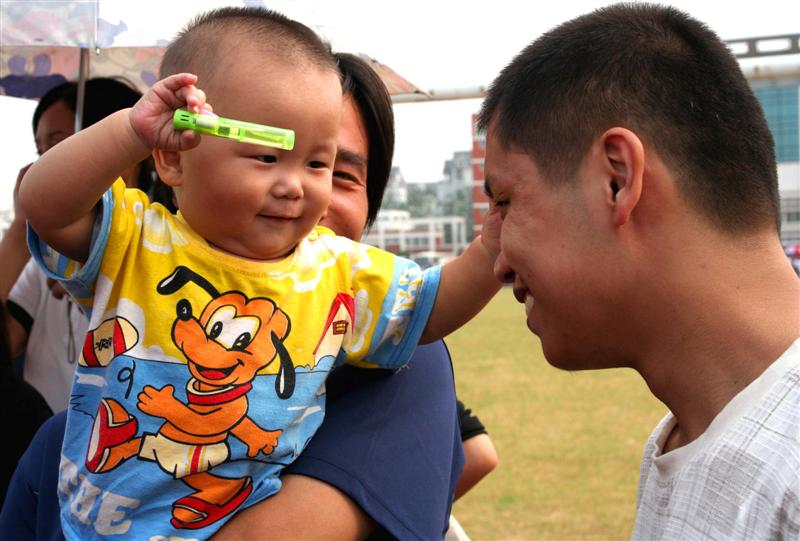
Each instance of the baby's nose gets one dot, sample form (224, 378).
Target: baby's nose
(289, 186)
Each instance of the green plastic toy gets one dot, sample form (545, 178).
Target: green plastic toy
(246, 132)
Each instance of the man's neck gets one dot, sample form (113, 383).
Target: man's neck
(721, 330)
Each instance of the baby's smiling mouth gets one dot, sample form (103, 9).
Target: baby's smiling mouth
(278, 216)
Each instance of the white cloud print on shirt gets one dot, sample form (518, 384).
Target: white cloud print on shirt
(312, 260)
(158, 234)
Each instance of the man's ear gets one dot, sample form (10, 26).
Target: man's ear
(168, 166)
(623, 153)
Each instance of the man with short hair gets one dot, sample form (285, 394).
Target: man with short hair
(635, 176)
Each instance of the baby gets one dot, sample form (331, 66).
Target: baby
(212, 331)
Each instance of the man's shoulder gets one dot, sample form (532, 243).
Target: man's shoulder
(760, 454)
(768, 435)
(742, 483)
(753, 441)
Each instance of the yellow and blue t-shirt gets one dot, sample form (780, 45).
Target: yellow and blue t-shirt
(203, 374)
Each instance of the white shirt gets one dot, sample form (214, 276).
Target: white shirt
(55, 339)
(741, 478)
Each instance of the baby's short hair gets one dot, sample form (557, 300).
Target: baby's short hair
(199, 48)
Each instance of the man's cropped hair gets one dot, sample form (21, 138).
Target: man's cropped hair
(660, 73)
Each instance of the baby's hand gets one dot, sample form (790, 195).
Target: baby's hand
(151, 117)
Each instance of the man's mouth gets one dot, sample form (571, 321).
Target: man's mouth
(524, 296)
(528, 303)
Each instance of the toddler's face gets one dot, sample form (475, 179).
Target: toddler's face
(254, 201)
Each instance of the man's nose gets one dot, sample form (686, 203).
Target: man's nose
(502, 270)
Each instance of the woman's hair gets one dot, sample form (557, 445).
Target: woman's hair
(365, 87)
(102, 97)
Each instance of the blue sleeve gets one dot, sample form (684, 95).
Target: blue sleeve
(386, 351)
(78, 279)
(369, 443)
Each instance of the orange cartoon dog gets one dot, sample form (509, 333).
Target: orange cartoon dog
(225, 348)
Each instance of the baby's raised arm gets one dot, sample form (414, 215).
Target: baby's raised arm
(467, 283)
(60, 191)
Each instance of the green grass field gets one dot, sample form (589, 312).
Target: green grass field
(569, 443)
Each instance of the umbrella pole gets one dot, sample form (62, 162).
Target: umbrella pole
(83, 75)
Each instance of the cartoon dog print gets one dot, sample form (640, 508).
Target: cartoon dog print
(225, 347)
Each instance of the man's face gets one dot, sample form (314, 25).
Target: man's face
(552, 250)
(254, 201)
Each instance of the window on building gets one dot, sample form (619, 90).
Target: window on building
(780, 105)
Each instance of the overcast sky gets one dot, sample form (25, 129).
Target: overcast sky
(436, 44)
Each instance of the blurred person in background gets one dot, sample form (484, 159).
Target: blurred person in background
(44, 324)
(24, 409)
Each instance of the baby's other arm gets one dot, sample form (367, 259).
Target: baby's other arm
(467, 283)
(62, 188)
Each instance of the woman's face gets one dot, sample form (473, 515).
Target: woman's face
(56, 124)
(347, 213)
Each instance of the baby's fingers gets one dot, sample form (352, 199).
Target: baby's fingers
(179, 80)
(189, 139)
(193, 97)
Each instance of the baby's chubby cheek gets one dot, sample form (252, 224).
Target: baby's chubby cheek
(320, 210)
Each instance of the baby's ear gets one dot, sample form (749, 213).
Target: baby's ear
(168, 165)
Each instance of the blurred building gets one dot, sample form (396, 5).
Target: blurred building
(428, 240)
(428, 221)
(778, 91)
(457, 176)
(480, 201)
(396, 189)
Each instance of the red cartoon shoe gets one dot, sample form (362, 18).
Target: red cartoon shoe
(112, 426)
(208, 513)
